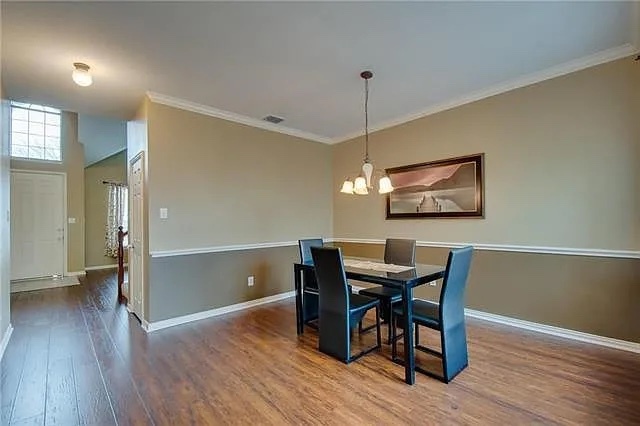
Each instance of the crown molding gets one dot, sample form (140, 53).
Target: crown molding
(232, 116)
(579, 64)
(589, 61)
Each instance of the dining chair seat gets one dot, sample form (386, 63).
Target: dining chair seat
(358, 302)
(425, 313)
(398, 252)
(381, 292)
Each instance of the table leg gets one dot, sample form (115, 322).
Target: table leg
(297, 271)
(409, 359)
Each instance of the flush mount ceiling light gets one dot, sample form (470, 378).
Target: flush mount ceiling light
(81, 74)
(362, 182)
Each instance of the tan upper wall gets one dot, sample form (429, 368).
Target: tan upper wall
(561, 165)
(73, 165)
(226, 183)
(114, 169)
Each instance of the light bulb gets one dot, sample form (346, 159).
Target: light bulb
(81, 75)
(360, 186)
(367, 169)
(347, 187)
(384, 186)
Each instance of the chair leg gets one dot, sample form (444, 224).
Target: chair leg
(378, 326)
(417, 339)
(360, 327)
(392, 327)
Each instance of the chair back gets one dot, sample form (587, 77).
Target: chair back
(332, 281)
(453, 287)
(400, 252)
(305, 248)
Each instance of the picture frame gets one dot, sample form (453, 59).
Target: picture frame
(450, 188)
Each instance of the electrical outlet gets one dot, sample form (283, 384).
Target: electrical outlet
(250, 280)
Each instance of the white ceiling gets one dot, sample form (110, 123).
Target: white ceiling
(300, 61)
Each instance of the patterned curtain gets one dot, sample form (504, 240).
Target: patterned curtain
(117, 206)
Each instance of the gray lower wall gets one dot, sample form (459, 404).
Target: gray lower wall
(594, 295)
(182, 285)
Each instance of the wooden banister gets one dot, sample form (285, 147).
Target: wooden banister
(121, 235)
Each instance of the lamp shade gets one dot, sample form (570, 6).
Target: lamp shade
(384, 186)
(347, 187)
(360, 186)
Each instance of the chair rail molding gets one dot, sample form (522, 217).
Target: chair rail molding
(623, 254)
(594, 252)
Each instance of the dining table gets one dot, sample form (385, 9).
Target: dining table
(374, 271)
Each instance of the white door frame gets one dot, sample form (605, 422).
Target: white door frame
(143, 263)
(65, 267)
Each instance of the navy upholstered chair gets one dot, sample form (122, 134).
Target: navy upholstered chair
(340, 310)
(447, 317)
(398, 252)
(310, 289)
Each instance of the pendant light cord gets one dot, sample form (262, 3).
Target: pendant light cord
(366, 119)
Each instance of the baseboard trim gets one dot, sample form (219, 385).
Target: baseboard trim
(42, 284)
(159, 325)
(556, 331)
(75, 274)
(100, 267)
(5, 340)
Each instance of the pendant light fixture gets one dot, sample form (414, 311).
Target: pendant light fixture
(362, 183)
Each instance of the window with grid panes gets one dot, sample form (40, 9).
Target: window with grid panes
(35, 132)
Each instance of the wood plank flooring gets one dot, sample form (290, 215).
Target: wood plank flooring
(77, 357)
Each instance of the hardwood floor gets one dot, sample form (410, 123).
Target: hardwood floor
(76, 357)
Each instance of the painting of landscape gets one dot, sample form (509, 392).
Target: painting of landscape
(445, 188)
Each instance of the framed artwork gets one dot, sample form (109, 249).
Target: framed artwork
(438, 189)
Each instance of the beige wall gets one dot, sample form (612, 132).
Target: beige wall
(226, 183)
(73, 165)
(114, 169)
(561, 165)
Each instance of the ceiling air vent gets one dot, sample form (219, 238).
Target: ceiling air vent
(273, 119)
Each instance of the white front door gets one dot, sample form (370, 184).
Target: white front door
(37, 225)
(136, 236)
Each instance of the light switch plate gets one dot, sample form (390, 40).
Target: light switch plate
(164, 212)
(71, 220)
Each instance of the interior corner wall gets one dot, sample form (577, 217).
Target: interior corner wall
(138, 145)
(113, 168)
(226, 184)
(5, 241)
(561, 170)
(73, 165)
